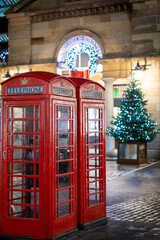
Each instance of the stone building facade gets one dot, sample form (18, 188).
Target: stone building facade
(41, 32)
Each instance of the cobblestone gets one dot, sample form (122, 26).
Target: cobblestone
(145, 209)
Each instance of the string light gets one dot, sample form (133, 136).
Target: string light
(3, 56)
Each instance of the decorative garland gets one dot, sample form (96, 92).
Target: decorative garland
(3, 56)
(76, 50)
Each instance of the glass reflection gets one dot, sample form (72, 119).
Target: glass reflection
(93, 126)
(9, 112)
(94, 150)
(64, 112)
(64, 126)
(23, 154)
(63, 139)
(23, 140)
(64, 181)
(37, 111)
(64, 195)
(23, 182)
(20, 211)
(64, 209)
(9, 126)
(9, 140)
(64, 153)
(63, 167)
(23, 112)
(93, 138)
(93, 113)
(23, 168)
(23, 126)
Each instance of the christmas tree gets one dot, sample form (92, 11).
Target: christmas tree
(133, 123)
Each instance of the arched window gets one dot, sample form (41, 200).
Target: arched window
(80, 53)
(82, 61)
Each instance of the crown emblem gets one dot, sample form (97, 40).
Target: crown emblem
(63, 83)
(24, 81)
(92, 86)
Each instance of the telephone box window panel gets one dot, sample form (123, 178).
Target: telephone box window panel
(23, 170)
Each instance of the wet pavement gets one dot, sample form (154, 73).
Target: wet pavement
(133, 203)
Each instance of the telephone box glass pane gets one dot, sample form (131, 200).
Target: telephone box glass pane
(20, 211)
(93, 113)
(64, 153)
(23, 154)
(22, 197)
(9, 140)
(64, 139)
(93, 126)
(9, 126)
(94, 199)
(63, 167)
(37, 111)
(23, 140)
(64, 112)
(23, 168)
(37, 125)
(63, 195)
(23, 112)
(23, 182)
(9, 112)
(64, 126)
(23, 126)
(64, 209)
(93, 150)
(93, 137)
(64, 181)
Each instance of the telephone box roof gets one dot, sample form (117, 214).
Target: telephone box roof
(82, 81)
(46, 76)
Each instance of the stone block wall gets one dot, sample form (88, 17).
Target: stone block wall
(145, 28)
(19, 34)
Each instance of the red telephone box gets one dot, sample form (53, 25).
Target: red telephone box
(91, 153)
(38, 186)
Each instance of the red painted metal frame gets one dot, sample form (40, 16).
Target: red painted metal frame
(24, 226)
(89, 213)
(47, 226)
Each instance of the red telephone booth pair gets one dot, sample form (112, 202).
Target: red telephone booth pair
(52, 170)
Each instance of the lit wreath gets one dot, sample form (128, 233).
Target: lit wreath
(82, 48)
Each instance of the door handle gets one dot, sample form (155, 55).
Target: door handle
(4, 154)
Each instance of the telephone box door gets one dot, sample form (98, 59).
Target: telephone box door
(65, 165)
(94, 164)
(22, 168)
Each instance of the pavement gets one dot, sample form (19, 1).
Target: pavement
(133, 203)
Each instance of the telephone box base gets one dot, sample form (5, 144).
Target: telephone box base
(68, 235)
(93, 224)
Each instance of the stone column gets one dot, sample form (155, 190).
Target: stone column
(109, 102)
